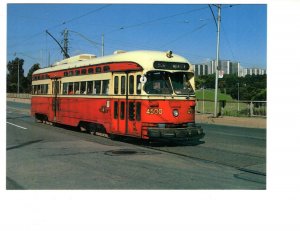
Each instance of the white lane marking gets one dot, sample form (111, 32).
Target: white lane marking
(16, 125)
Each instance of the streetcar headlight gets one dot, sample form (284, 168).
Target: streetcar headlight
(175, 112)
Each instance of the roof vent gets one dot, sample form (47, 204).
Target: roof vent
(119, 52)
(76, 58)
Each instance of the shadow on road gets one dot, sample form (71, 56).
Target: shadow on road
(159, 143)
(24, 144)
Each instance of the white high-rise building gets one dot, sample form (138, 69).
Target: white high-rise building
(227, 67)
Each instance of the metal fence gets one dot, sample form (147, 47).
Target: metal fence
(20, 95)
(233, 108)
(225, 108)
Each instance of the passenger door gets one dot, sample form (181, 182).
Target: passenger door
(126, 105)
(55, 99)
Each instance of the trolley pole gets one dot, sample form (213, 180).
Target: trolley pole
(217, 61)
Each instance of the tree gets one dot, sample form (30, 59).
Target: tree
(251, 87)
(28, 80)
(14, 68)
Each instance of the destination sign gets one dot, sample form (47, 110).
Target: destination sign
(171, 65)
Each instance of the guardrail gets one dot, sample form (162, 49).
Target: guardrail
(233, 108)
(20, 95)
(226, 108)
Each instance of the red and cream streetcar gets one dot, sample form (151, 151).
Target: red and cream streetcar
(144, 94)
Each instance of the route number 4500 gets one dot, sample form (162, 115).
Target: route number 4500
(154, 111)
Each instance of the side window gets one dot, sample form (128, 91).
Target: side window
(46, 89)
(83, 88)
(116, 85)
(97, 87)
(138, 85)
(65, 88)
(91, 70)
(131, 84)
(76, 88)
(122, 84)
(70, 89)
(83, 71)
(98, 69)
(77, 72)
(71, 73)
(90, 87)
(105, 87)
(39, 89)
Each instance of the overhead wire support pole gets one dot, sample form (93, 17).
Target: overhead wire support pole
(217, 68)
(66, 43)
(102, 44)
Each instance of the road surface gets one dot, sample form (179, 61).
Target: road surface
(40, 156)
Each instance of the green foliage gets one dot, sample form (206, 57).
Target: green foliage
(209, 94)
(15, 69)
(250, 87)
(29, 76)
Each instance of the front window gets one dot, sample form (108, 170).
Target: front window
(158, 82)
(181, 83)
(162, 82)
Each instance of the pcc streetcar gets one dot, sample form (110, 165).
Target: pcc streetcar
(145, 94)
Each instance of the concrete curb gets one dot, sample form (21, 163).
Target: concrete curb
(249, 122)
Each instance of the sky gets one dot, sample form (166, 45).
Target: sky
(186, 29)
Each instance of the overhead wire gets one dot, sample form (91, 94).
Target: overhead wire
(88, 13)
(158, 19)
(185, 34)
(63, 23)
(86, 38)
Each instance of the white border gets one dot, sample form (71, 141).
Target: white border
(274, 208)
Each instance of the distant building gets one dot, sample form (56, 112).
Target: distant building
(227, 67)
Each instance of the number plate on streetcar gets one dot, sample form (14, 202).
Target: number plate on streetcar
(154, 111)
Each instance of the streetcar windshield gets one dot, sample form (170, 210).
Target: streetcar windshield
(162, 82)
(181, 84)
(158, 82)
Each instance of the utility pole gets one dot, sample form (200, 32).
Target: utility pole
(18, 77)
(238, 97)
(66, 43)
(102, 44)
(217, 61)
(18, 89)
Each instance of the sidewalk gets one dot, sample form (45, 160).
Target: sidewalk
(19, 100)
(250, 122)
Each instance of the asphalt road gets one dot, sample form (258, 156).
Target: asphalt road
(40, 156)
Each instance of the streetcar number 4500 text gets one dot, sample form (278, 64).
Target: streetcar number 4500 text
(154, 111)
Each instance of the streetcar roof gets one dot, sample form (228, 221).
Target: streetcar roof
(144, 58)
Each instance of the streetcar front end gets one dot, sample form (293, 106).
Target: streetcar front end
(169, 112)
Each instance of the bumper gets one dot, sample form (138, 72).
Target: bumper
(176, 133)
